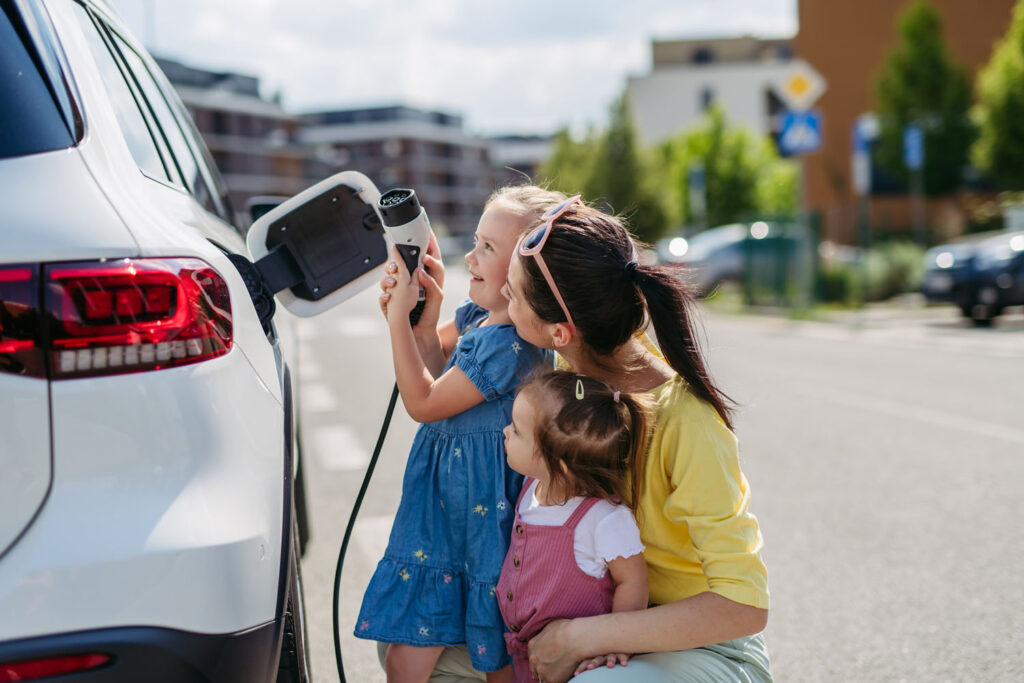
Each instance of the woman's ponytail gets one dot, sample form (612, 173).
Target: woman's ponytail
(669, 306)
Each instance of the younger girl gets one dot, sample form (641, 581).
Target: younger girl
(435, 585)
(576, 549)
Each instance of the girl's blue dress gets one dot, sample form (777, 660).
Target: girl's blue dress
(436, 583)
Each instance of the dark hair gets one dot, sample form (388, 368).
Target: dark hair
(593, 260)
(600, 437)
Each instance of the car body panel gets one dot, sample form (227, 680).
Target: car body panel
(24, 453)
(189, 506)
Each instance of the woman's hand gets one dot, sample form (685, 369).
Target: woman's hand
(604, 660)
(553, 657)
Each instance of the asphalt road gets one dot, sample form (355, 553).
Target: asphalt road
(886, 458)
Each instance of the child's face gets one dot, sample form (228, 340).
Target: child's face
(496, 236)
(520, 445)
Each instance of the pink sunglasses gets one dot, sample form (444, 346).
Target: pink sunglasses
(532, 244)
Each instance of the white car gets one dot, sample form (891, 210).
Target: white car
(148, 458)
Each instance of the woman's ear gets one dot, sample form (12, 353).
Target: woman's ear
(562, 334)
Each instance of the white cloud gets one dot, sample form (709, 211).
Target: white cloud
(528, 66)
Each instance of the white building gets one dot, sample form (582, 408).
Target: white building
(737, 74)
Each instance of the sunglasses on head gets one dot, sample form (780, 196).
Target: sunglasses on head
(534, 241)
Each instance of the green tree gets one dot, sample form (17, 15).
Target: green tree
(999, 150)
(568, 167)
(920, 83)
(610, 169)
(742, 173)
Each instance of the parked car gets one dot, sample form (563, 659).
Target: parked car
(760, 255)
(150, 479)
(982, 274)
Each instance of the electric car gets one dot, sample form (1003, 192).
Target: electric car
(149, 502)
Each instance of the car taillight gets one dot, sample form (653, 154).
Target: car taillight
(134, 315)
(21, 352)
(34, 669)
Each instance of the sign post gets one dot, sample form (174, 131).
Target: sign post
(913, 158)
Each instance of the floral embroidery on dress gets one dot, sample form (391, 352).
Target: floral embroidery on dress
(420, 555)
(447, 578)
(494, 590)
(405, 575)
(363, 625)
(480, 510)
(424, 631)
(457, 453)
(481, 649)
(517, 347)
(501, 505)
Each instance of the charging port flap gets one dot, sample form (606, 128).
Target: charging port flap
(322, 246)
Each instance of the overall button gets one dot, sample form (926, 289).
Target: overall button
(509, 596)
(515, 560)
(519, 529)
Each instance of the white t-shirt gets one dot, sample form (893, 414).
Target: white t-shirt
(606, 532)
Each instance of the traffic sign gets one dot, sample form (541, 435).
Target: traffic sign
(801, 132)
(913, 147)
(799, 86)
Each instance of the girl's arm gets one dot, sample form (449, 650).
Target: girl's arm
(703, 619)
(629, 575)
(426, 399)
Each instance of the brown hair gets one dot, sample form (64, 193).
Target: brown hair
(527, 202)
(600, 440)
(592, 258)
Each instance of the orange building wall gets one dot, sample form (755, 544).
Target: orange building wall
(847, 42)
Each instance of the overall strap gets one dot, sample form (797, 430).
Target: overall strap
(581, 509)
(522, 492)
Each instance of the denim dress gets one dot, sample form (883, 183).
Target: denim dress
(436, 582)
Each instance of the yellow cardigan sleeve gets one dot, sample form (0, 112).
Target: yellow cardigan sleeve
(706, 501)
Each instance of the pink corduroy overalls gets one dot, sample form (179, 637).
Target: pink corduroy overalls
(540, 581)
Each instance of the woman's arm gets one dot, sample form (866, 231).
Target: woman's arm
(629, 576)
(704, 619)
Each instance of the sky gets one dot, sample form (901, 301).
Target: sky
(507, 67)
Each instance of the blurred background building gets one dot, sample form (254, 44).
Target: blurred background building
(261, 149)
(688, 76)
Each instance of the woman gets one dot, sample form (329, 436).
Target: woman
(575, 286)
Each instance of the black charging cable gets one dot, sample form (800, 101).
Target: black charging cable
(351, 524)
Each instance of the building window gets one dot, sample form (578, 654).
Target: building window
(707, 98)
(703, 55)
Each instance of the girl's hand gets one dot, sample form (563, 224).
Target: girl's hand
(552, 656)
(387, 283)
(604, 660)
(404, 293)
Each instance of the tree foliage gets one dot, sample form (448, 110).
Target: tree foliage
(610, 169)
(999, 150)
(921, 83)
(742, 173)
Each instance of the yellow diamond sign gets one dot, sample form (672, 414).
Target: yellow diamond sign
(800, 85)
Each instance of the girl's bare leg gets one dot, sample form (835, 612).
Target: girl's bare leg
(501, 675)
(409, 663)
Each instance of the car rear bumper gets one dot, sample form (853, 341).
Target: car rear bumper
(159, 655)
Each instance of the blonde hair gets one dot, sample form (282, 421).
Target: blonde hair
(526, 202)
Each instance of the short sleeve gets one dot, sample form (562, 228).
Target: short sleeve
(617, 535)
(496, 360)
(467, 315)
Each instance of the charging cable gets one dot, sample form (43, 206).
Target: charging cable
(351, 524)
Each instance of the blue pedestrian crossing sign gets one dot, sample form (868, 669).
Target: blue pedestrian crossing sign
(801, 132)
(913, 147)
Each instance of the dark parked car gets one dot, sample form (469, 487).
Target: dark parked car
(982, 274)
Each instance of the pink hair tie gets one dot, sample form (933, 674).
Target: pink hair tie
(615, 396)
